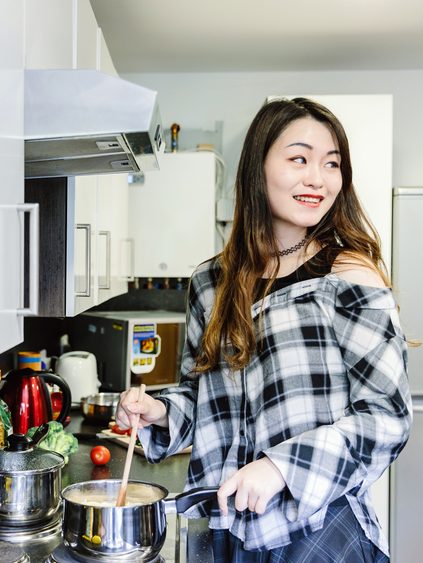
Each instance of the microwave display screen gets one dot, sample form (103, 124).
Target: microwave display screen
(145, 347)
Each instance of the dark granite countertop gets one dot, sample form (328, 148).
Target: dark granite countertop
(170, 473)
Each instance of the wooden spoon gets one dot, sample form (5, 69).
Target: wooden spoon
(129, 454)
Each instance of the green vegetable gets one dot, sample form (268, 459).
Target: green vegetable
(5, 416)
(57, 439)
(5, 423)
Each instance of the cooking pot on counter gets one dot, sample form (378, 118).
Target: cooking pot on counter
(93, 525)
(100, 407)
(30, 480)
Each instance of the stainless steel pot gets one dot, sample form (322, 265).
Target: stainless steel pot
(30, 481)
(99, 407)
(91, 529)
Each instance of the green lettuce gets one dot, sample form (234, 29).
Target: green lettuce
(57, 439)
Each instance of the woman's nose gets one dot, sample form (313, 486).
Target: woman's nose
(313, 177)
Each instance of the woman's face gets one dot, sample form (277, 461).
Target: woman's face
(303, 175)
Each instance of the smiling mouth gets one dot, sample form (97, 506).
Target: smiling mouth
(309, 198)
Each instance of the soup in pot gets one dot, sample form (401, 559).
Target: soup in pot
(104, 496)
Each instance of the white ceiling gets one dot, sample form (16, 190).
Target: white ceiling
(261, 35)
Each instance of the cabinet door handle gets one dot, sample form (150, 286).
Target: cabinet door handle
(108, 236)
(130, 277)
(87, 228)
(158, 137)
(34, 258)
(418, 408)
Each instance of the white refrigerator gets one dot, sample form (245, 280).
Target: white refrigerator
(406, 499)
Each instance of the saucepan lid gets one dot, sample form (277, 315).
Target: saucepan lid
(22, 455)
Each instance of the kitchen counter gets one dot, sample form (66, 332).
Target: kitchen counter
(169, 473)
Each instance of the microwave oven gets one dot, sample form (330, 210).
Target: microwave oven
(132, 347)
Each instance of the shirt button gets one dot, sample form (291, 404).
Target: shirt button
(241, 433)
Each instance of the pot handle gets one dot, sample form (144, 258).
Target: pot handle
(183, 501)
(40, 433)
(64, 387)
(21, 443)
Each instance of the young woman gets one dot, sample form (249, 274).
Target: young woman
(293, 390)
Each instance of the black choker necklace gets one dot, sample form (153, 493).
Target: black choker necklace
(292, 249)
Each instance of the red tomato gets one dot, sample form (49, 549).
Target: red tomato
(118, 430)
(100, 455)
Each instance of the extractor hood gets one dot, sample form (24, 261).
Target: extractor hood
(88, 122)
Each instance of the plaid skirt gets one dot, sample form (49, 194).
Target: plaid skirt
(341, 540)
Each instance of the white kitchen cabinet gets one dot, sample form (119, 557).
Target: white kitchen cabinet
(114, 248)
(172, 215)
(60, 34)
(84, 241)
(68, 276)
(11, 173)
(85, 245)
(101, 253)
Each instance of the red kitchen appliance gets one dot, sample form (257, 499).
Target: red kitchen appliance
(26, 393)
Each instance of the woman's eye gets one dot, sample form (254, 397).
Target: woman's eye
(332, 164)
(299, 159)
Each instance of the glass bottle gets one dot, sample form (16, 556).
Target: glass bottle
(174, 132)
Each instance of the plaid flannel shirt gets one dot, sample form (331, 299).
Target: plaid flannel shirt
(325, 397)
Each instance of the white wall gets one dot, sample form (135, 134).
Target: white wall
(197, 100)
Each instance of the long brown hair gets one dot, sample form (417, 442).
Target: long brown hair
(230, 333)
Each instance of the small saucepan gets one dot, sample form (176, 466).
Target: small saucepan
(94, 525)
(99, 407)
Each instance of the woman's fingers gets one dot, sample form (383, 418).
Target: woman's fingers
(226, 490)
(125, 419)
(129, 409)
(253, 500)
(246, 496)
(261, 505)
(253, 485)
(148, 411)
(121, 418)
(242, 499)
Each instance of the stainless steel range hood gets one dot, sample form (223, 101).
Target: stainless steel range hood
(88, 122)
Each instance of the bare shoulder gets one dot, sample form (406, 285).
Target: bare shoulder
(357, 269)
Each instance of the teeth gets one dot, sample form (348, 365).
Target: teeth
(308, 199)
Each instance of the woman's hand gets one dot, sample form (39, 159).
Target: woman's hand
(255, 484)
(150, 410)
